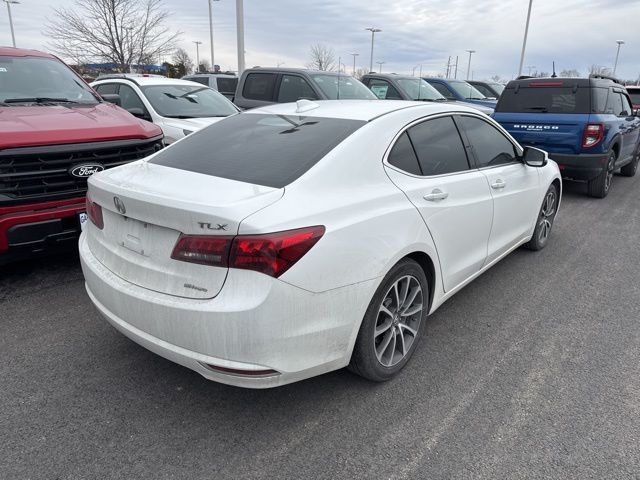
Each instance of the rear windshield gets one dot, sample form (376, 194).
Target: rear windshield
(270, 150)
(545, 100)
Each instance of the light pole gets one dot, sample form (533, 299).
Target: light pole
(240, 34)
(615, 65)
(213, 62)
(524, 41)
(373, 34)
(354, 55)
(198, 43)
(380, 64)
(530, 67)
(13, 35)
(471, 52)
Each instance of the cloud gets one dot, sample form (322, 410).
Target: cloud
(575, 34)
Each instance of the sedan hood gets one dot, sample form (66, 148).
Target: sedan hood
(24, 126)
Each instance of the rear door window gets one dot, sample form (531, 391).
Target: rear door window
(259, 86)
(293, 88)
(270, 150)
(542, 99)
(490, 146)
(439, 147)
(403, 156)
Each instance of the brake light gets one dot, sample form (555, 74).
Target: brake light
(94, 212)
(203, 249)
(593, 135)
(546, 84)
(271, 254)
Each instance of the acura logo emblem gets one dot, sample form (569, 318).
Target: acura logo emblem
(119, 205)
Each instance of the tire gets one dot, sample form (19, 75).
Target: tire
(388, 337)
(630, 169)
(544, 222)
(599, 187)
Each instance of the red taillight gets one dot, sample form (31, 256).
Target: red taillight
(546, 84)
(271, 254)
(202, 249)
(593, 135)
(94, 212)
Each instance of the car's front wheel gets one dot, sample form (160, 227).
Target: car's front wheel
(544, 222)
(393, 323)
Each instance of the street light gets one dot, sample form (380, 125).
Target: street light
(373, 34)
(524, 41)
(240, 34)
(530, 67)
(211, 32)
(469, 65)
(13, 35)
(615, 65)
(380, 63)
(198, 43)
(354, 55)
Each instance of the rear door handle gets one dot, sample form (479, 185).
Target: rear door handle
(436, 195)
(498, 184)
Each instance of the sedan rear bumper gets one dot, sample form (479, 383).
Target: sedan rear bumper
(256, 323)
(580, 167)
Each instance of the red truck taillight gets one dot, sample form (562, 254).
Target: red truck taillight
(271, 254)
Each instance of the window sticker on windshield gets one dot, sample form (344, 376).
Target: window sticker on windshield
(380, 91)
(3, 69)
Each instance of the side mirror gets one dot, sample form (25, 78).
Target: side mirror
(534, 157)
(138, 112)
(111, 98)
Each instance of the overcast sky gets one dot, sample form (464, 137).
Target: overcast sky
(574, 33)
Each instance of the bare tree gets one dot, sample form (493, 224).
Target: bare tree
(182, 62)
(322, 58)
(599, 70)
(117, 31)
(569, 73)
(361, 72)
(204, 66)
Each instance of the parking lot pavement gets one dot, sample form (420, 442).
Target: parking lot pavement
(532, 371)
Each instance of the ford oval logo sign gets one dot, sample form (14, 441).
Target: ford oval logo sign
(85, 170)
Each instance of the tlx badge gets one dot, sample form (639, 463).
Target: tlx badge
(209, 226)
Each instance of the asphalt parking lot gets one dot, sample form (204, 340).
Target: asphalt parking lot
(532, 371)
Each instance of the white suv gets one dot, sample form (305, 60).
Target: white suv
(179, 107)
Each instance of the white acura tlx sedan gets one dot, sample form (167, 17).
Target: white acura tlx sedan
(288, 241)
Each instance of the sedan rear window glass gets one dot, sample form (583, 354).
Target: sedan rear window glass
(270, 150)
(545, 100)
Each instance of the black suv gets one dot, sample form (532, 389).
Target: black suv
(264, 86)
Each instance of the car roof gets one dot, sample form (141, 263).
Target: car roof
(296, 70)
(22, 52)
(390, 76)
(364, 110)
(445, 80)
(591, 81)
(146, 81)
(212, 74)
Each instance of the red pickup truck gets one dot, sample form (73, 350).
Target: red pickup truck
(55, 131)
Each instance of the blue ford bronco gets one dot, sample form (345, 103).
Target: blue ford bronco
(587, 125)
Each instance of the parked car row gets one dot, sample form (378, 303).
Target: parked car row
(308, 227)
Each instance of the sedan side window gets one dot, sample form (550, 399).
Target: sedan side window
(293, 88)
(403, 156)
(439, 147)
(490, 146)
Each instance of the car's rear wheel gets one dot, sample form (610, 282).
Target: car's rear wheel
(544, 223)
(393, 323)
(599, 187)
(630, 169)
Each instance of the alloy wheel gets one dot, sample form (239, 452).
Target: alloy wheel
(546, 215)
(610, 169)
(398, 321)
